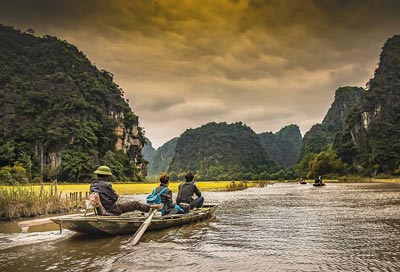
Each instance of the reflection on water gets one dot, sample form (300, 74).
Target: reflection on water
(284, 227)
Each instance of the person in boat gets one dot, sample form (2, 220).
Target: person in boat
(318, 180)
(186, 191)
(166, 197)
(110, 200)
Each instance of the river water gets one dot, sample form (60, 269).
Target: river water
(281, 227)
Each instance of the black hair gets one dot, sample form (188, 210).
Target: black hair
(189, 177)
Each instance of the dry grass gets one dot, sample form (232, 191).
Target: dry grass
(24, 202)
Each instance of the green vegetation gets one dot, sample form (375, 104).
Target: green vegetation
(325, 163)
(60, 113)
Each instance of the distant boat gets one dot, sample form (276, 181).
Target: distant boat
(303, 182)
(124, 224)
(319, 184)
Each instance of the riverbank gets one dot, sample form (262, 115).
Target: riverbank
(35, 200)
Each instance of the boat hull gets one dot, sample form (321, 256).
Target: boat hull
(318, 184)
(120, 225)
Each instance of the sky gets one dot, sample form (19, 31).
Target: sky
(184, 63)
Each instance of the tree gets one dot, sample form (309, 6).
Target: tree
(27, 162)
(75, 164)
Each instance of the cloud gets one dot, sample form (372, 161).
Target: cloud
(183, 63)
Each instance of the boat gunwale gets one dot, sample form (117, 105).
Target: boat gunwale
(137, 219)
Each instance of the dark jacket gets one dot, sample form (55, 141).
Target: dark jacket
(107, 194)
(166, 198)
(186, 191)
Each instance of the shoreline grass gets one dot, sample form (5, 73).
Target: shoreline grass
(26, 202)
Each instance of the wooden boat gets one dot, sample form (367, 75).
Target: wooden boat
(129, 223)
(318, 184)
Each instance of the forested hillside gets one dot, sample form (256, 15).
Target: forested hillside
(61, 116)
(222, 151)
(370, 142)
(283, 146)
(359, 134)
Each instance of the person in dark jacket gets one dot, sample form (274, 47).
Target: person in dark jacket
(186, 191)
(110, 200)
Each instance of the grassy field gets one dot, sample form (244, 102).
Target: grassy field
(128, 188)
(146, 188)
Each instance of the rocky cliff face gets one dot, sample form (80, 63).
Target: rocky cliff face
(370, 141)
(148, 152)
(163, 157)
(321, 135)
(130, 139)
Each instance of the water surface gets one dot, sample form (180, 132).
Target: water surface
(283, 227)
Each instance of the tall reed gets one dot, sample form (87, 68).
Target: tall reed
(25, 201)
(234, 186)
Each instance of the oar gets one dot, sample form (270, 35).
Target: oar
(140, 231)
(24, 225)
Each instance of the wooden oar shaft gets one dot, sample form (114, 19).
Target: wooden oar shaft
(140, 231)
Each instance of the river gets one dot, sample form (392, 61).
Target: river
(281, 227)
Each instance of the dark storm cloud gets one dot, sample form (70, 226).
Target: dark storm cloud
(184, 62)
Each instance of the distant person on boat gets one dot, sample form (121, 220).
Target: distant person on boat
(186, 191)
(166, 197)
(110, 200)
(318, 180)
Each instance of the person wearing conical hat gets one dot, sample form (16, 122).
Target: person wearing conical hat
(110, 200)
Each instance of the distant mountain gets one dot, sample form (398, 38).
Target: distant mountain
(321, 135)
(60, 115)
(221, 151)
(148, 151)
(370, 140)
(283, 146)
(163, 157)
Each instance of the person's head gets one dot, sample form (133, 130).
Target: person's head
(164, 179)
(103, 172)
(189, 177)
